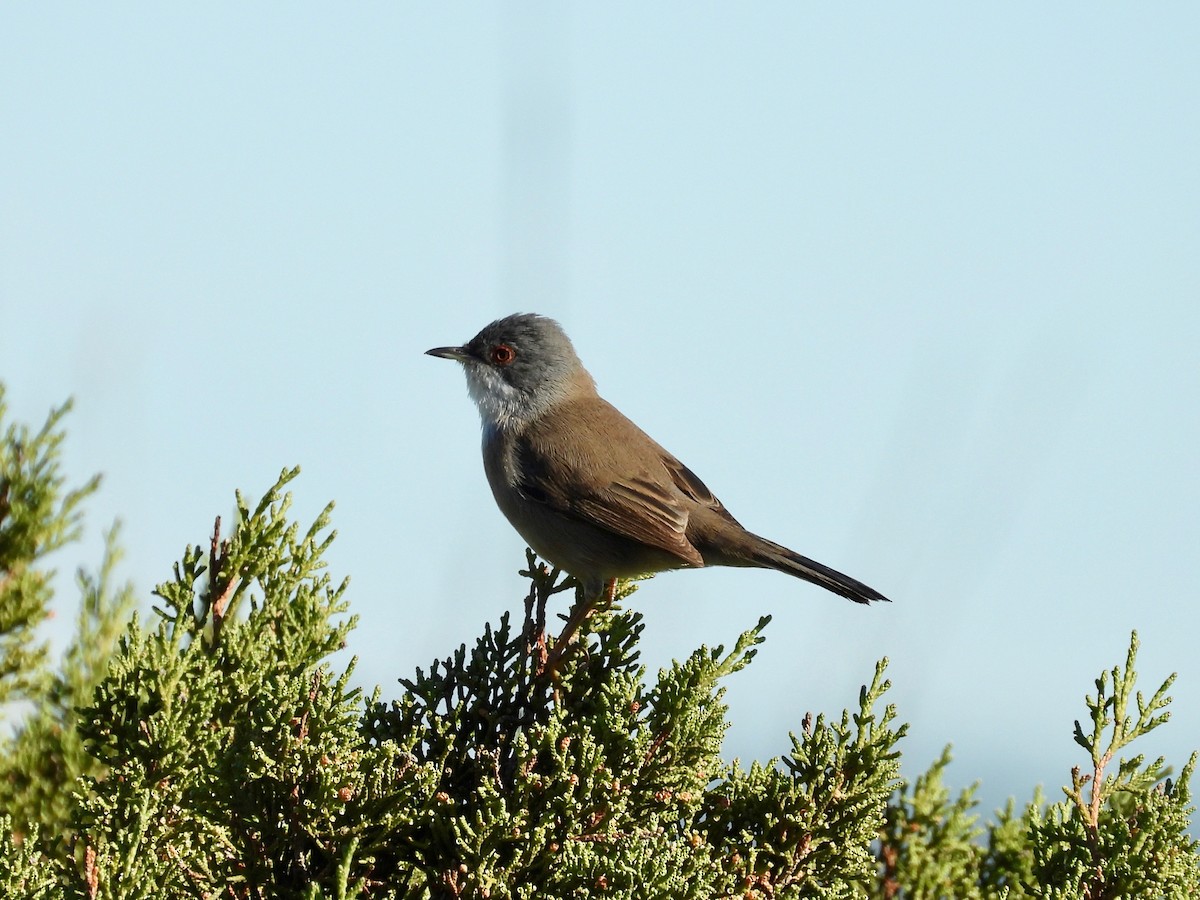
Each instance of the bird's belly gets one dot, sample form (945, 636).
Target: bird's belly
(586, 551)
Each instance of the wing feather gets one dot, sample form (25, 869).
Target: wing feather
(634, 493)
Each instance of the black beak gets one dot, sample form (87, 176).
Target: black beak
(457, 353)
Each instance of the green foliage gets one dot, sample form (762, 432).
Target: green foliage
(226, 736)
(43, 756)
(24, 868)
(928, 847)
(37, 516)
(46, 758)
(1117, 835)
(1121, 834)
(806, 829)
(592, 783)
(1006, 869)
(218, 751)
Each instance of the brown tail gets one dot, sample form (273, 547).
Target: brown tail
(770, 555)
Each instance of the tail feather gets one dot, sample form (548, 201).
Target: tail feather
(770, 555)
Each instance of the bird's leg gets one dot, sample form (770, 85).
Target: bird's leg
(580, 614)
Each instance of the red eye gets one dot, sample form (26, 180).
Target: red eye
(502, 354)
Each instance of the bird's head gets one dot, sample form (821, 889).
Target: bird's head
(517, 368)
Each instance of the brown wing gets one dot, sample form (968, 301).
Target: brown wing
(616, 477)
(690, 484)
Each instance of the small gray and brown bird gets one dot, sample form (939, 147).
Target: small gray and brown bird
(586, 488)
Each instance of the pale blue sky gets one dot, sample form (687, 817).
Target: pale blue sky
(915, 289)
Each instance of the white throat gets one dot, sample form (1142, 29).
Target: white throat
(501, 406)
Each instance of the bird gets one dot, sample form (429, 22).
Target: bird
(585, 487)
